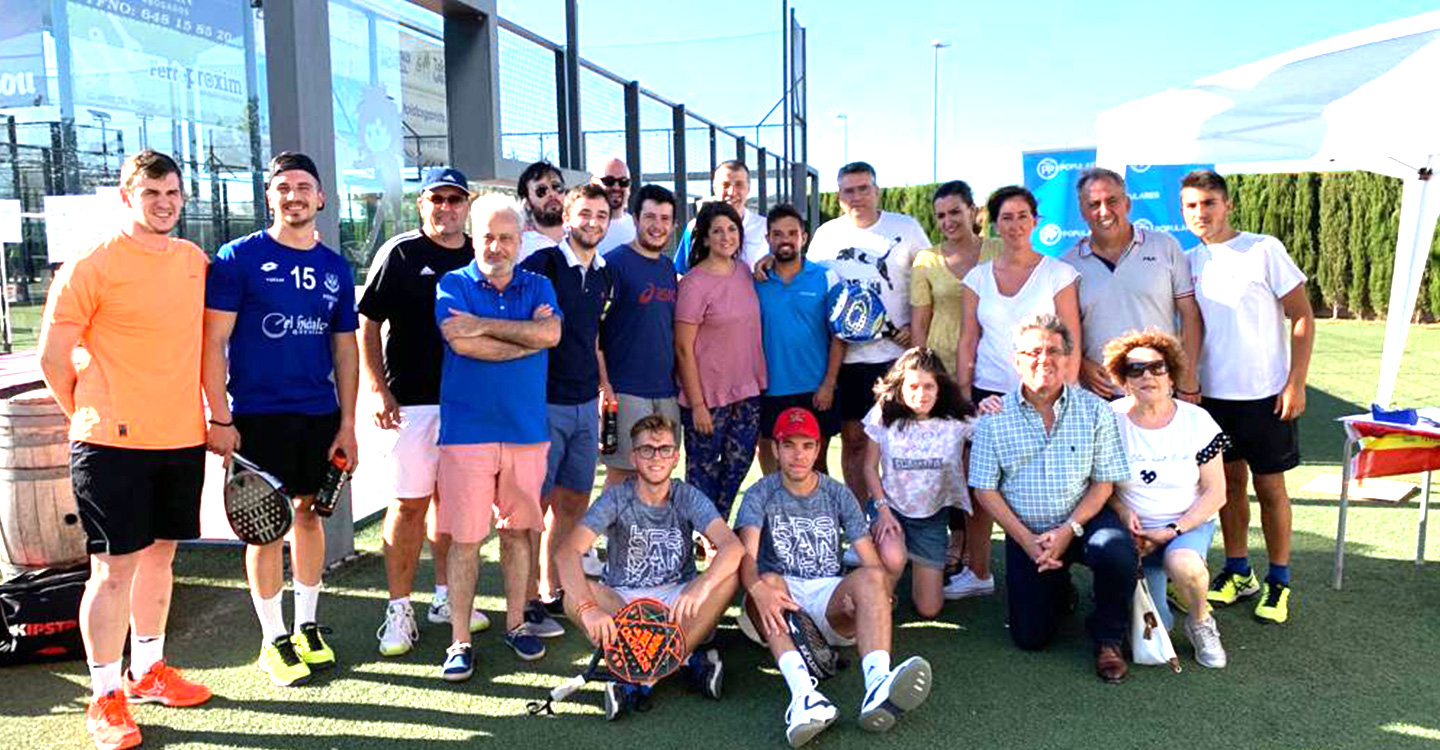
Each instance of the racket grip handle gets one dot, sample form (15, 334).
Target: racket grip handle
(564, 689)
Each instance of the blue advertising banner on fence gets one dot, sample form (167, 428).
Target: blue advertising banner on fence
(1051, 176)
(22, 54)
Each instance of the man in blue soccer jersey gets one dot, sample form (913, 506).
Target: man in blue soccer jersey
(280, 323)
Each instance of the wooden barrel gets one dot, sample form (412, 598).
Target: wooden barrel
(39, 522)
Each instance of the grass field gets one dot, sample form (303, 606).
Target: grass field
(1354, 669)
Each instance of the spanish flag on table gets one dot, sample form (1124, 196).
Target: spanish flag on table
(1388, 449)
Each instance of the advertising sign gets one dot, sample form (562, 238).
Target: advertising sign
(22, 54)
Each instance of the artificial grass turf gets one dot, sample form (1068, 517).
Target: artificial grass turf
(1354, 669)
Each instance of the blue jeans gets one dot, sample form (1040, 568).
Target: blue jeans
(1038, 600)
(1197, 539)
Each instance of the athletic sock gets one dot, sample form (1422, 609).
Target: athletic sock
(875, 665)
(442, 592)
(1239, 565)
(1279, 574)
(145, 651)
(307, 600)
(797, 677)
(272, 617)
(104, 679)
(401, 600)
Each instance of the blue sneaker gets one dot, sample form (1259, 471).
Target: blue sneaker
(705, 672)
(526, 645)
(459, 663)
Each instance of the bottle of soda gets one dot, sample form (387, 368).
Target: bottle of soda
(610, 427)
(337, 475)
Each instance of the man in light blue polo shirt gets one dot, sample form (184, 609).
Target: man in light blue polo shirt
(802, 356)
(498, 321)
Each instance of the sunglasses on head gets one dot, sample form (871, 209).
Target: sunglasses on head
(1134, 369)
(610, 182)
(542, 190)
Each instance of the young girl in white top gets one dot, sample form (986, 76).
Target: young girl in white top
(915, 470)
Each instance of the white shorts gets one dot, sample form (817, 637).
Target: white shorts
(813, 595)
(416, 454)
(666, 594)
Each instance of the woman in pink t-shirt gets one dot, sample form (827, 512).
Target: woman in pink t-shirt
(719, 359)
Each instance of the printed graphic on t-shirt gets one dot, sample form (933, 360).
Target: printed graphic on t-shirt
(864, 257)
(653, 554)
(809, 547)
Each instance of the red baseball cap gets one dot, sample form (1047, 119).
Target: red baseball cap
(794, 421)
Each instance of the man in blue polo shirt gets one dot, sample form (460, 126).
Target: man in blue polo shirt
(498, 322)
(801, 355)
(574, 384)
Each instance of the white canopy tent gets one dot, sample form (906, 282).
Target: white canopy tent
(1367, 100)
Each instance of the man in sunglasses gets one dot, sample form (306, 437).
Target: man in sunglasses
(542, 189)
(403, 372)
(614, 177)
(1044, 468)
(649, 521)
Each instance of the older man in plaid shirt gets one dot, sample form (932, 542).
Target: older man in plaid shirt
(1044, 466)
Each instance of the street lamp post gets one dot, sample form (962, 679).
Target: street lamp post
(935, 107)
(845, 142)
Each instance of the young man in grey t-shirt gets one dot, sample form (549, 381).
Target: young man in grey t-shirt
(791, 523)
(649, 522)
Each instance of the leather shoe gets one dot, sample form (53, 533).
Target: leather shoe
(1110, 663)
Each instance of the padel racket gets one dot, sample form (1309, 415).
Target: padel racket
(647, 647)
(820, 657)
(256, 505)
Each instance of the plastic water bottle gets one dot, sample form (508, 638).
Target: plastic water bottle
(336, 476)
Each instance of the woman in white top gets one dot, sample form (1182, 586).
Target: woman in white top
(999, 294)
(1177, 480)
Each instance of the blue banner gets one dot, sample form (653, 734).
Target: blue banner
(1154, 197)
(1051, 176)
(22, 54)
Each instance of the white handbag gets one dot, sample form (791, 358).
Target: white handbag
(1149, 641)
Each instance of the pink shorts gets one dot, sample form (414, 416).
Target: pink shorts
(473, 480)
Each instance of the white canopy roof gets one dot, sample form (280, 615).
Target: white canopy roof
(1368, 100)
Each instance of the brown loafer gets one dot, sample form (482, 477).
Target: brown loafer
(1110, 663)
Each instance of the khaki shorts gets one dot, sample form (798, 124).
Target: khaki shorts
(477, 480)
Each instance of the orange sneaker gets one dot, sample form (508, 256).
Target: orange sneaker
(109, 723)
(165, 685)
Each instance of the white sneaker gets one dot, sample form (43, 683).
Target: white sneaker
(966, 584)
(808, 715)
(398, 634)
(1205, 636)
(440, 615)
(592, 565)
(903, 689)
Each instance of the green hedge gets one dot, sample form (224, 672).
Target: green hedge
(1340, 228)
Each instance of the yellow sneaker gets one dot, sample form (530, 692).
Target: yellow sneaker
(281, 664)
(312, 648)
(1274, 605)
(1228, 588)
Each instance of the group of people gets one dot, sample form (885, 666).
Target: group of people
(1096, 406)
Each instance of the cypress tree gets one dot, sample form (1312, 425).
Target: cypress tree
(1305, 246)
(1333, 264)
(1362, 223)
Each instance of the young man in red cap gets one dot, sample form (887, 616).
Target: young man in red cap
(790, 524)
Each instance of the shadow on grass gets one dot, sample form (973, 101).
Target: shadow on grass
(1322, 439)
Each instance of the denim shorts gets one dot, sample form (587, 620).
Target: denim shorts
(574, 446)
(926, 539)
(1153, 564)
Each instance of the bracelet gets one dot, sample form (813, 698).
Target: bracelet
(218, 423)
(585, 606)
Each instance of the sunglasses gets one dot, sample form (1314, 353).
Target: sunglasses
(447, 200)
(610, 182)
(651, 451)
(542, 190)
(1134, 369)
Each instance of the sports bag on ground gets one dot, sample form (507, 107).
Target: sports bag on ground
(40, 616)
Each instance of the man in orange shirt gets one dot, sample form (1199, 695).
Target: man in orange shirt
(137, 432)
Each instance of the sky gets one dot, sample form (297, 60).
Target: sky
(1018, 76)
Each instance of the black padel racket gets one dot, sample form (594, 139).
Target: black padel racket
(256, 505)
(647, 647)
(820, 657)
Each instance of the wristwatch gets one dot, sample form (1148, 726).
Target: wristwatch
(1075, 527)
(1175, 527)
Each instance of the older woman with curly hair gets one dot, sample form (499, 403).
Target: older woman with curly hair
(1177, 482)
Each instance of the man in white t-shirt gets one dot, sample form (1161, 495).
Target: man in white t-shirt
(614, 177)
(542, 190)
(1131, 279)
(1259, 331)
(876, 248)
(731, 183)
